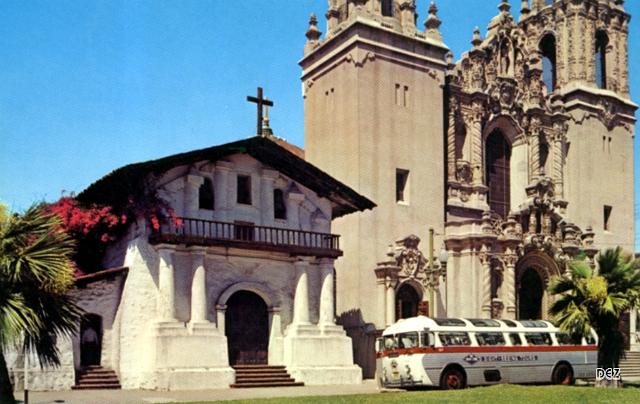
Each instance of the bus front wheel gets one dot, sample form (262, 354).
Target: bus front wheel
(562, 374)
(452, 379)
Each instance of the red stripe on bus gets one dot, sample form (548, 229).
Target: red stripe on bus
(492, 348)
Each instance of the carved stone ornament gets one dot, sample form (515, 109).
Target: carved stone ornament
(608, 114)
(496, 308)
(411, 260)
(464, 173)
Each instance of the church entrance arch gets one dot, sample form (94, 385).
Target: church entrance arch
(90, 340)
(533, 273)
(530, 293)
(407, 301)
(247, 328)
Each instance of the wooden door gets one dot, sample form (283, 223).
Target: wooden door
(247, 329)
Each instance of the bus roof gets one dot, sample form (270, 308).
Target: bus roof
(421, 323)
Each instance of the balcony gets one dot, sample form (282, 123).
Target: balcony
(247, 236)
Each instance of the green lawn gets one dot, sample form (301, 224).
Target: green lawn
(493, 394)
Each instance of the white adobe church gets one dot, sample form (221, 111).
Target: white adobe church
(245, 281)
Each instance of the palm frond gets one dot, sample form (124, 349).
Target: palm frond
(36, 272)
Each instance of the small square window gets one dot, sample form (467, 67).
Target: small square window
(607, 217)
(402, 189)
(244, 189)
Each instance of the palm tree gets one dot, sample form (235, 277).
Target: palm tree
(597, 299)
(36, 272)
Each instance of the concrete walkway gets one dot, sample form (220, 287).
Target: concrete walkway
(147, 396)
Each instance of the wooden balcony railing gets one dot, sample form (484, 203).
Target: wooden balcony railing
(241, 235)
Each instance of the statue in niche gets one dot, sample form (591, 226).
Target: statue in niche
(504, 58)
(410, 259)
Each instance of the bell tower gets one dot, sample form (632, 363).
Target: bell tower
(583, 46)
(373, 99)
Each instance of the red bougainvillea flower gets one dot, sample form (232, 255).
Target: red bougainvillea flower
(155, 223)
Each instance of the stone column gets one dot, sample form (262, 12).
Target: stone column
(558, 161)
(327, 305)
(476, 142)
(301, 298)
(266, 196)
(486, 282)
(534, 160)
(198, 288)
(220, 317)
(391, 302)
(451, 143)
(624, 58)
(509, 284)
(561, 56)
(166, 304)
(387, 279)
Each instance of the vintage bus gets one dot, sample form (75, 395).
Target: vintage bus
(454, 353)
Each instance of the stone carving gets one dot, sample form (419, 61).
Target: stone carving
(411, 260)
(464, 172)
(496, 308)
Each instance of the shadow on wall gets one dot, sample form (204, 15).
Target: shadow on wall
(363, 336)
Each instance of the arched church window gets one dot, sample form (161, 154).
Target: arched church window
(279, 207)
(548, 50)
(601, 59)
(387, 8)
(205, 195)
(497, 163)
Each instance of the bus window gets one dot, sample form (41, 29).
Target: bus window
(566, 339)
(490, 338)
(509, 323)
(449, 322)
(515, 339)
(389, 342)
(427, 339)
(454, 338)
(407, 340)
(533, 323)
(538, 338)
(483, 322)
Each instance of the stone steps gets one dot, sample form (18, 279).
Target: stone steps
(96, 377)
(263, 376)
(630, 366)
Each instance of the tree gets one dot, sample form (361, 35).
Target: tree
(596, 299)
(36, 272)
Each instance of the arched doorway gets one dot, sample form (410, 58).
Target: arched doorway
(407, 302)
(530, 295)
(90, 340)
(533, 272)
(247, 328)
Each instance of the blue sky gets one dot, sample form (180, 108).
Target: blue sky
(87, 86)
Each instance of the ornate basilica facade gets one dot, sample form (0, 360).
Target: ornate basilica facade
(518, 156)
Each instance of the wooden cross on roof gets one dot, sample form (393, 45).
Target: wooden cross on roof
(262, 102)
